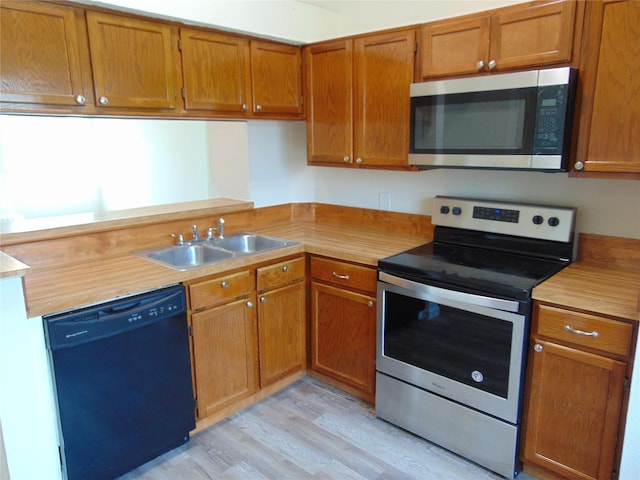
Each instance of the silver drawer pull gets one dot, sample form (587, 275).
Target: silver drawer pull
(341, 277)
(224, 284)
(285, 269)
(570, 329)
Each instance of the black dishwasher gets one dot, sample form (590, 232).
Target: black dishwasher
(122, 375)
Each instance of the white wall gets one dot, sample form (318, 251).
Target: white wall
(304, 21)
(27, 406)
(608, 207)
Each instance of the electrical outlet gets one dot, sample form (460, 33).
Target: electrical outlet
(385, 201)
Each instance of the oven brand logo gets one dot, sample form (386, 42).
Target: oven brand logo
(477, 376)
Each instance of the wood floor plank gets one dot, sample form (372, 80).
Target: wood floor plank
(309, 431)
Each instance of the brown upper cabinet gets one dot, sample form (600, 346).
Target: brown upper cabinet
(133, 62)
(517, 37)
(276, 78)
(357, 94)
(216, 71)
(41, 55)
(608, 144)
(234, 76)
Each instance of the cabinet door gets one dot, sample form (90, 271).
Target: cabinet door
(343, 336)
(40, 56)
(133, 64)
(281, 332)
(276, 78)
(225, 352)
(533, 36)
(216, 71)
(329, 77)
(455, 47)
(608, 140)
(573, 413)
(384, 70)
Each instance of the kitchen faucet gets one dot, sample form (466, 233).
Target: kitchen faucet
(219, 229)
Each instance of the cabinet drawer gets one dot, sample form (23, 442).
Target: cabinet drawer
(219, 290)
(344, 274)
(280, 274)
(612, 336)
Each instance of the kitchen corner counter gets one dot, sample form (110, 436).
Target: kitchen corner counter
(10, 267)
(605, 290)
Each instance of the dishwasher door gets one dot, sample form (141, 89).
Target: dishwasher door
(122, 374)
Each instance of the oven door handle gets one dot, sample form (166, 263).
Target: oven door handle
(453, 295)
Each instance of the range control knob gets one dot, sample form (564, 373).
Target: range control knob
(457, 210)
(553, 221)
(444, 209)
(537, 219)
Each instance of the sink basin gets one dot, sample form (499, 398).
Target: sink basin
(186, 256)
(192, 255)
(246, 243)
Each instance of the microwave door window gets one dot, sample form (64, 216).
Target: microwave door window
(485, 122)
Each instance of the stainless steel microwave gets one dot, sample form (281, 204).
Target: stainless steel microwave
(519, 121)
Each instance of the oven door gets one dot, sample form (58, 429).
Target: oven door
(468, 348)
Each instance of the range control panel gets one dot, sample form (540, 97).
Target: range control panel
(509, 218)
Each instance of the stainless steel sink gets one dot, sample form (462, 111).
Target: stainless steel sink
(186, 256)
(246, 243)
(192, 255)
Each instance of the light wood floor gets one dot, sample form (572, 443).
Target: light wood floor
(309, 431)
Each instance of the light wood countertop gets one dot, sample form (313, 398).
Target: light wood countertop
(10, 267)
(600, 289)
(57, 289)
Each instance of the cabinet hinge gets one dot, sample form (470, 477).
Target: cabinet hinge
(415, 47)
(191, 330)
(180, 44)
(195, 403)
(627, 384)
(614, 475)
(184, 93)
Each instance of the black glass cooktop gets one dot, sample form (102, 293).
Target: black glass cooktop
(477, 270)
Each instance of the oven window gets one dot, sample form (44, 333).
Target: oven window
(494, 122)
(462, 346)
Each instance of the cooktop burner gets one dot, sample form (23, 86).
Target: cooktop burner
(506, 274)
(489, 247)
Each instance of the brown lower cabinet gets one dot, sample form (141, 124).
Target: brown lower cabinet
(243, 342)
(343, 324)
(576, 391)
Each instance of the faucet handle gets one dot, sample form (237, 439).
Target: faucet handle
(221, 228)
(180, 238)
(196, 234)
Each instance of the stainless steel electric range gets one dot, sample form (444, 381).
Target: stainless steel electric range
(453, 323)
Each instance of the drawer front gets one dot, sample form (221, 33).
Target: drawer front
(344, 274)
(219, 290)
(590, 331)
(280, 274)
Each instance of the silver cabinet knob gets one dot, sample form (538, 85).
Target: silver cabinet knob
(103, 100)
(370, 303)
(249, 304)
(492, 64)
(259, 107)
(480, 64)
(346, 158)
(578, 165)
(538, 348)
(224, 284)
(285, 269)
(263, 299)
(358, 160)
(244, 107)
(80, 100)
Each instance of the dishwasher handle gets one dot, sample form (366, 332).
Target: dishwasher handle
(94, 323)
